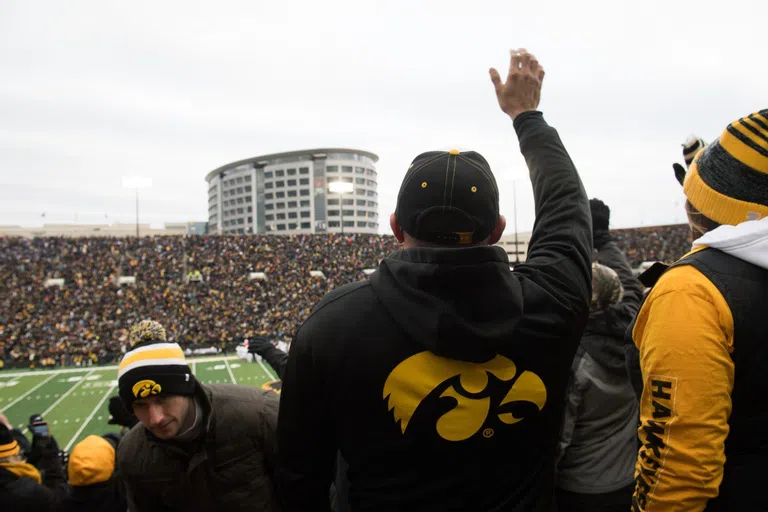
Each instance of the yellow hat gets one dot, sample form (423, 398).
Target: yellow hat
(728, 180)
(92, 461)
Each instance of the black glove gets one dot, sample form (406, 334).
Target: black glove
(679, 172)
(259, 345)
(601, 218)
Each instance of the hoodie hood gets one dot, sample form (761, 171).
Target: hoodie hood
(457, 303)
(747, 241)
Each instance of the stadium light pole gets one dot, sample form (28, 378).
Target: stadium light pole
(341, 188)
(137, 182)
(514, 203)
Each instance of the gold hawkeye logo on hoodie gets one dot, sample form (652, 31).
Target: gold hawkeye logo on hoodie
(416, 378)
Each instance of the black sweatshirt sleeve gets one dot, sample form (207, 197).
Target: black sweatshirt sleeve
(306, 440)
(560, 250)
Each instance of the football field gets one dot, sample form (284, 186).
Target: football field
(74, 400)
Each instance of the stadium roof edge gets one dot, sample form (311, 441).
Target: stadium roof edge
(288, 154)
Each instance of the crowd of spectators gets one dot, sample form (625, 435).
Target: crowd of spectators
(87, 320)
(657, 243)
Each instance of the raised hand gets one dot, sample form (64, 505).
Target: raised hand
(522, 90)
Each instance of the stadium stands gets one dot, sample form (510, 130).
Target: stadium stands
(87, 318)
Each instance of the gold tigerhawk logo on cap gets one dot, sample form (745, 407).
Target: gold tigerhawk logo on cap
(146, 387)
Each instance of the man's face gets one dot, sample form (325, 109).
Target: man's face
(162, 415)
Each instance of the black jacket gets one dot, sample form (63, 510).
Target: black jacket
(108, 496)
(441, 380)
(22, 494)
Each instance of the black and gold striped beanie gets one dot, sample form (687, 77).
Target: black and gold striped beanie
(691, 146)
(728, 181)
(8, 444)
(153, 366)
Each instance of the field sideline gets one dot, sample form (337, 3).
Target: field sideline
(74, 400)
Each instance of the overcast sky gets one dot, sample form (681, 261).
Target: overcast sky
(91, 91)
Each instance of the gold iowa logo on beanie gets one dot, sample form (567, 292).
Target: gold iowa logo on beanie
(145, 388)
(417, 378)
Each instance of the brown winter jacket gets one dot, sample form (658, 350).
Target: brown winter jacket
(229, 468)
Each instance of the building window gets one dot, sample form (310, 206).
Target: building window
(239, 181)
(269, 206)
(268, 174)
(303, 181)
(348, 202)
(292, 225)
(305, 225)
(372, 225)
(347, 180)
(269, 196)
(268, 184)
(280, 194)
(303, 170)
(291, 172)
(280, 216)
(303, 203)
(346, 169)
(281, 206)
(248, 199)
(280, 173)
(292, 204)
(333, 213)
(239, 200)
(304, 192)
(349, 213)
(281, 227)
(332, 168)
(359, 170)
(371, 183)
(250, 209)
(361, 224)
(248, 179)
(240, 211)
(305, 215)
(361, 202)
(372, 204)
(371, 193)
(240, 221)
(333, 202)
(333, 224)
(247, 188)
(291, 183)
(293, 215)
(279, 183)
(360, 192)
(239, 190)
(269, 216)
(250, 220)
(291, 193)
(360, 181)
(361, 213)
(349, 223)
(371, 172)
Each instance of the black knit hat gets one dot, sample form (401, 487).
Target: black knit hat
(8, 444)
(153, 366)
(448, 198)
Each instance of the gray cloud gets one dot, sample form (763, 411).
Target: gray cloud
(92, 91)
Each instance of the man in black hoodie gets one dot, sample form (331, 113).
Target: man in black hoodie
(441, 380)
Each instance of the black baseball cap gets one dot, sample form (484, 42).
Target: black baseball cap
(448, 198)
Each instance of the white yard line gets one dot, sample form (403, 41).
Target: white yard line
(62, 397)
(231, 375)
(101, 368)
(194, 367)
(22, 397)
(90, 417)
(267, 370)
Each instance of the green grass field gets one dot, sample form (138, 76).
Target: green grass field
(74, 401)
